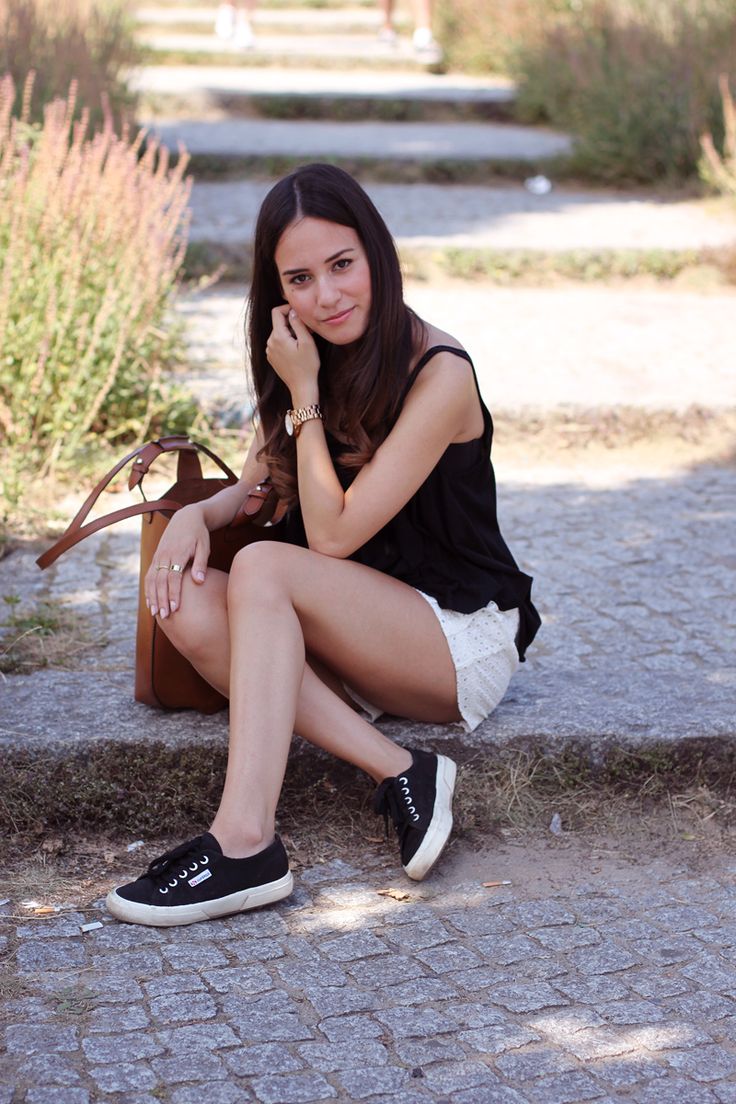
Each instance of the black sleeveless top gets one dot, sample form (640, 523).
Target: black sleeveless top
(446, 541)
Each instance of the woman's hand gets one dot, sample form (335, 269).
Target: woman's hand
(186, 539)
(292, 353)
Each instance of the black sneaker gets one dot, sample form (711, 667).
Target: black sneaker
(197, 882)
(420, 805)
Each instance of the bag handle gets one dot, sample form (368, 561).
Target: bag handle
(144, 456)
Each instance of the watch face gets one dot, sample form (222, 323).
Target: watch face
(288, 423)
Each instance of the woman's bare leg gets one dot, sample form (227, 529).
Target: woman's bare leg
(374, 632)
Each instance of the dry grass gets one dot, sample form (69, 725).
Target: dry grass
(47, 635)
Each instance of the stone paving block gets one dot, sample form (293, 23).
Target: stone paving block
(347, 1054)
(706, 1063)
(594, 910)
(473, 1014)
(357, 945)
(380, 974)
(422, 990)
(407, 1023)
(109, 1019)
(709, 973)
(336, 870)
(52, 954)
(630, 1070)
(361, 1083)
(633, 928)
(174, 985)
(417, 936)
(486, 921)
(217, 1092)
(292, 1088)
(605, 959)
(506, 950)
(264, 1025)
(670, 1036)
(674, 1090)
(26, 1039)
(6, 1093)
(349, 1027)
(337, 1002)
(193, 957)
(258, 924)
(536, 1061)
(633, 1012)
(666, 950)
(600, 1042)
(243, 980)
(657, 983)
(183, 1008)
(455, 1076)
(418, 1053)
(254, 950)
(28, 1010)
(124, 1077)
(48, 1069)
(298, 974)
(135, 964)
(683, 918)
(56, 1095)
(566, 1022)
(198, 1037)
(724, 935)
(120, 1048)
(489, 1094)
(252, 1061)
(726, 1093)
(498, 1039)
(566, 1088)
(531, 997)
(67, 924)
(120, 937)
(566, 938)
(450, 956)
(542, 914)
(197, 1066)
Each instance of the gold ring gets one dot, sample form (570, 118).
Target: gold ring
(162, 567)
(176, 567)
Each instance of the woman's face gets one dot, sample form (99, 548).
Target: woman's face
(325, 277)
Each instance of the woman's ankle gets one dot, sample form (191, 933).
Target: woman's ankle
(239, 842)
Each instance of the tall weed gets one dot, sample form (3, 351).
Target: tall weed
(719, 170)
(636, 81)
(92, 234)
(89, 41)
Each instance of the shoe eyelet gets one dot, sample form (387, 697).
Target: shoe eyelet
(174, 883)
(403, 779)
(415, 817)
(184, 874)
(204, 860)
(164, 890)
(194, 866)
(412, 809)
(405, 789)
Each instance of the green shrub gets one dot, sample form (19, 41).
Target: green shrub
(719, 170)
(92, 234)
(88, 41)
(636, 82)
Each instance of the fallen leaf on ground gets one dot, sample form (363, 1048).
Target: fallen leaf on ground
(396, 894)
(45, 910)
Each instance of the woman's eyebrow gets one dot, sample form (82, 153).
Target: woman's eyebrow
(328, 260)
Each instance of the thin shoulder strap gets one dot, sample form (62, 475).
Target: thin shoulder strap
(426, 357)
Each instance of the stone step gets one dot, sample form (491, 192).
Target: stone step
(437, 216)
(270, 21)
(318, 50)
(402, 142)
(202, 92)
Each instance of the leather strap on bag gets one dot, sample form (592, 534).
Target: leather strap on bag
(143, 457)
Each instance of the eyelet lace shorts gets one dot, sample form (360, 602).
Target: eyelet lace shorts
(483, 649)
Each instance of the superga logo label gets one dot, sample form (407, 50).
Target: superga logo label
(200, 878)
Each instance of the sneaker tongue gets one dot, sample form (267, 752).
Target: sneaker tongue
(209, 841)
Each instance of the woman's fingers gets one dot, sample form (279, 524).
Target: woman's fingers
(199, 561)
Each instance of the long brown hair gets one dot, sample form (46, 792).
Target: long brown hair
(361, 385)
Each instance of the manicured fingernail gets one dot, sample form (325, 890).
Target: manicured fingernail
(164, 613)
(153, 611)
(173, 606)
(199, 575)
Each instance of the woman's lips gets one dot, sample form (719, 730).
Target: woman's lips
(338, 318)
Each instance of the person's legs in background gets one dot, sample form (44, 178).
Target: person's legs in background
(234, 23)
(422, 39)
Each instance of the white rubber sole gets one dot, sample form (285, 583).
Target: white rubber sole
(440, 826)
(159, 916)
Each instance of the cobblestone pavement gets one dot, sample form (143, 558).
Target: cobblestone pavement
(598, 979)
(465, 216)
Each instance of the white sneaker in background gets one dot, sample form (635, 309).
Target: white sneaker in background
(425, 45)
(387, 35)
(225, 21)
(243, 38)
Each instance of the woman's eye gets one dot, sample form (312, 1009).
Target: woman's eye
(343, 263)
(299, 279)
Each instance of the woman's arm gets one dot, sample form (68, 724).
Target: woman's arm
(436, 412)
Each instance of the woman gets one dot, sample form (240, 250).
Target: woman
(391, 583)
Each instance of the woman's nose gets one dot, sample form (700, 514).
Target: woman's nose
(327, 292)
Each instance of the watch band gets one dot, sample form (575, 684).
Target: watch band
(295, 419)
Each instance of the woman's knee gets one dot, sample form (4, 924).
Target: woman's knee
(261, 571)
(199, 615)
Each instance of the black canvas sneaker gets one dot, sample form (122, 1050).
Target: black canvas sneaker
(197, 882)
(419, 802)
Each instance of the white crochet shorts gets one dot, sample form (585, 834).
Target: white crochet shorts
(483, 650)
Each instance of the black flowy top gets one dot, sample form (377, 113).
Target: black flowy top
(446, 540)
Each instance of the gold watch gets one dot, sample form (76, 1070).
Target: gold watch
(295, 419)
